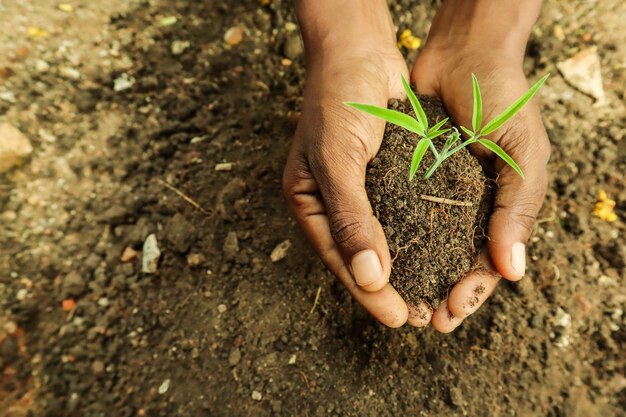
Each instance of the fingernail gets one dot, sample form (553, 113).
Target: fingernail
(366, 267)
(518, 258)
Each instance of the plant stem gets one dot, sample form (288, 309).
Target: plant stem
(432, 148)
(433, 167)
(461, 146)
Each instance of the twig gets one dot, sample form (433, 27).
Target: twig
(446, 201)
(185, 197)
(317, 298)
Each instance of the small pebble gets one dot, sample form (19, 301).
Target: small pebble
(234, 357)
(164, 387)
(195, 259)
(21, 294)
(123, 82)
(41, 66)
(129, 254)
(97, 367)
(280, 251)
(256, 396)
(10, 327)
(234, 35)
(224, 166)
(70, 73)
(151, 255)
(222, 308)
(8, 96)
(168, 21)
(292, 359)
(14, 147)
(178, 47)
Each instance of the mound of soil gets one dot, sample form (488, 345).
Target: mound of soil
(434, 227)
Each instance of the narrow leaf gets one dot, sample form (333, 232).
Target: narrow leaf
(513, 108)
(418, 154)
(449, 142)
(477, 117)
(433, 135)
(391, 116)
(419, 111)
(500, 152)
(467, 131)
(438, 125)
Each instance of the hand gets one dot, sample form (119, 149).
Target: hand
(324, 179)
(444, 69)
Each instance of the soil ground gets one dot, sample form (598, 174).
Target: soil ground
(220, 329)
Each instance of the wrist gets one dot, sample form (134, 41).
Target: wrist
(502, 26)
(333, 28)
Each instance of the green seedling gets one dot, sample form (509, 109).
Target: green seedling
(453, 143)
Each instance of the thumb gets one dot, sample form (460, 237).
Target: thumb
(353, 226)
(517, 203)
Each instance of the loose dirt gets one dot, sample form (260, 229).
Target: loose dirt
(433, 244)
(116, 103)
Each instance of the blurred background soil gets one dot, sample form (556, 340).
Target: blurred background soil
(173, 118)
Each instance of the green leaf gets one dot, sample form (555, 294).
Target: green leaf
(477, 117)
(419, 111)
(433, 135)
(418, 154)
(438, 125)
(392, 116)
(467, 131)
(500, 152)
(449, 142)
(513, 108)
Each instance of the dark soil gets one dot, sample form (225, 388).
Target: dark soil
(220, 329)
(433, 244)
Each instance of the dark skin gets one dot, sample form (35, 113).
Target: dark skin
(352, 56)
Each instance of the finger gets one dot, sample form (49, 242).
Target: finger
(472, 291)
(340, 173)
(302, 194)
(443, 320)
(518, 200)
(419, 314)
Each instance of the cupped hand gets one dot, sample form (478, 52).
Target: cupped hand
(445, 72)
(324, 179)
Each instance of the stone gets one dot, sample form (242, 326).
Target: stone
(234, 35)
(97, 367)
(257, 396)
(14, 147)
(224, 166)
(164, 387)
(196, 259)
(178, 47)
(234, 357)
(280, 251)
(123, 82)
(129, 254)
(180, 233)
(293, 47)
(150, 255)
(73, 285)
(231, 246)
(582, 71)
(70, 73)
